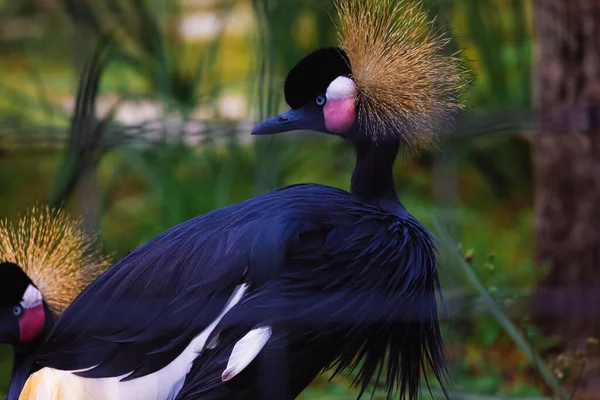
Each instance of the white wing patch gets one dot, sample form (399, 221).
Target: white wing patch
(341, 88)
(246, 350)
(31, 298)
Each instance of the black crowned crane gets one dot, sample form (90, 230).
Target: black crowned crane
(324, 277)
(45, 262)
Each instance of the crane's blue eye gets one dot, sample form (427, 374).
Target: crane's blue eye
(321, 100)
(18, 310)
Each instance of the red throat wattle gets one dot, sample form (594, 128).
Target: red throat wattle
(31, 323)
(33, 318)
(339, 114)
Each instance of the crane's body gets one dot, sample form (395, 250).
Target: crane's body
(304, 225)
(253, 300)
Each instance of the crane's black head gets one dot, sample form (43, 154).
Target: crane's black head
(321, 96)
(22, 315)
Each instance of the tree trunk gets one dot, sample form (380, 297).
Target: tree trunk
(567, 177)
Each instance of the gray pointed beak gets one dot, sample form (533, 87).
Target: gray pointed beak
(292, 120)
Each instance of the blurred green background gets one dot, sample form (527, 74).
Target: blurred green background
(166, 137)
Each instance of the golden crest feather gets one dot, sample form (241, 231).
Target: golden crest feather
(53, 251)
(406, 84)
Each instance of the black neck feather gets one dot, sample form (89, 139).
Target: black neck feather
(373, 178)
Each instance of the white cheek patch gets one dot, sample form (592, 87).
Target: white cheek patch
(31, 298)
(341, 88)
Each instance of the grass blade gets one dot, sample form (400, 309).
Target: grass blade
(500, 316)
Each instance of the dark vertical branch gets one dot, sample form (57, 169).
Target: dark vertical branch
(567, 175)
(86, 28)
(83, 150)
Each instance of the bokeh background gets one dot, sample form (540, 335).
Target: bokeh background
(136, 114)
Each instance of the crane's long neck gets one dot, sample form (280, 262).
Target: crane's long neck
(25, 356)
(373, 178)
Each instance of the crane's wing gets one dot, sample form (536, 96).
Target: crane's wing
(359, 294)
(143, 311)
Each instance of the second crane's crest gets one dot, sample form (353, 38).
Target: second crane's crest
(59, 258)
(406, 84)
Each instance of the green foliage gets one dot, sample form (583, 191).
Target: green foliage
(149, 41)
(169, 185)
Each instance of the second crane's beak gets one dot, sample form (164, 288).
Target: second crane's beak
(307, 118)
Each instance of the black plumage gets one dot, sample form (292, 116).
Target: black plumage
(356, 278)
